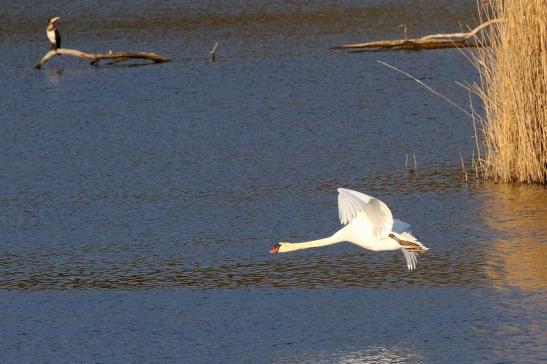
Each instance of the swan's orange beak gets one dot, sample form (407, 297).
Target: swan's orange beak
(275, 249)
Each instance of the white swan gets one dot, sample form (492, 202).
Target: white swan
(369, 224)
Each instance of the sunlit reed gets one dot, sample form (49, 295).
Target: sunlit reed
(513, 89)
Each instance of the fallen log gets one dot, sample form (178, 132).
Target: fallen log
(94, 58)
(409, 44)
(450, 40)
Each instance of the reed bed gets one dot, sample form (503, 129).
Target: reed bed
(513, 89)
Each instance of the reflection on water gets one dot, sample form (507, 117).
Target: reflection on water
(54, 75)
(373, 355)
(517, 254)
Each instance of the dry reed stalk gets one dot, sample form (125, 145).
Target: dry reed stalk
(464, 171)
(513, 89)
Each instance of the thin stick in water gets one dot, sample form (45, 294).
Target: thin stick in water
(464, 172)
(213, 52)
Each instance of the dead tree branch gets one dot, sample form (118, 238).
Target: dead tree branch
(94, 59)
(450, 40)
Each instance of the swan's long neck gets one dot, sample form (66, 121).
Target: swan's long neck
(314, 243)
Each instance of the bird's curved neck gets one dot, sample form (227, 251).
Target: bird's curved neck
(316, 243)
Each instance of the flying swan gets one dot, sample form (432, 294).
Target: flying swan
(369, 224)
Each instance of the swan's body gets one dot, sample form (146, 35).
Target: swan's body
(369, 224)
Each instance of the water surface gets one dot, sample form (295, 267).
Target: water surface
(138, 204)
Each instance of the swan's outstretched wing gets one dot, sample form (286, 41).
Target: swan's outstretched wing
(351, 203)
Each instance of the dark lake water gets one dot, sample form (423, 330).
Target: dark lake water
(138, 204)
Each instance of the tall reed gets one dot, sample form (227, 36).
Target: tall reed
(513, 89)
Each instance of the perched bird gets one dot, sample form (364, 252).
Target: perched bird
(53, 34)
(369, 224)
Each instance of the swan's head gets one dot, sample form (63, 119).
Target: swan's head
(52, 20)
(281, 248)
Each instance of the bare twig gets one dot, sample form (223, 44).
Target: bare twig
(427, 87)
(464, 172)
(213, 52)
(405, 30)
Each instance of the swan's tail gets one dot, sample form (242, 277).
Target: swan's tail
(410, 247)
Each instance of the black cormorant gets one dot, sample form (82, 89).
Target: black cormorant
(53, 34)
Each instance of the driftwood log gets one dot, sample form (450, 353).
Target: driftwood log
(94, 59)
(451, 40)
